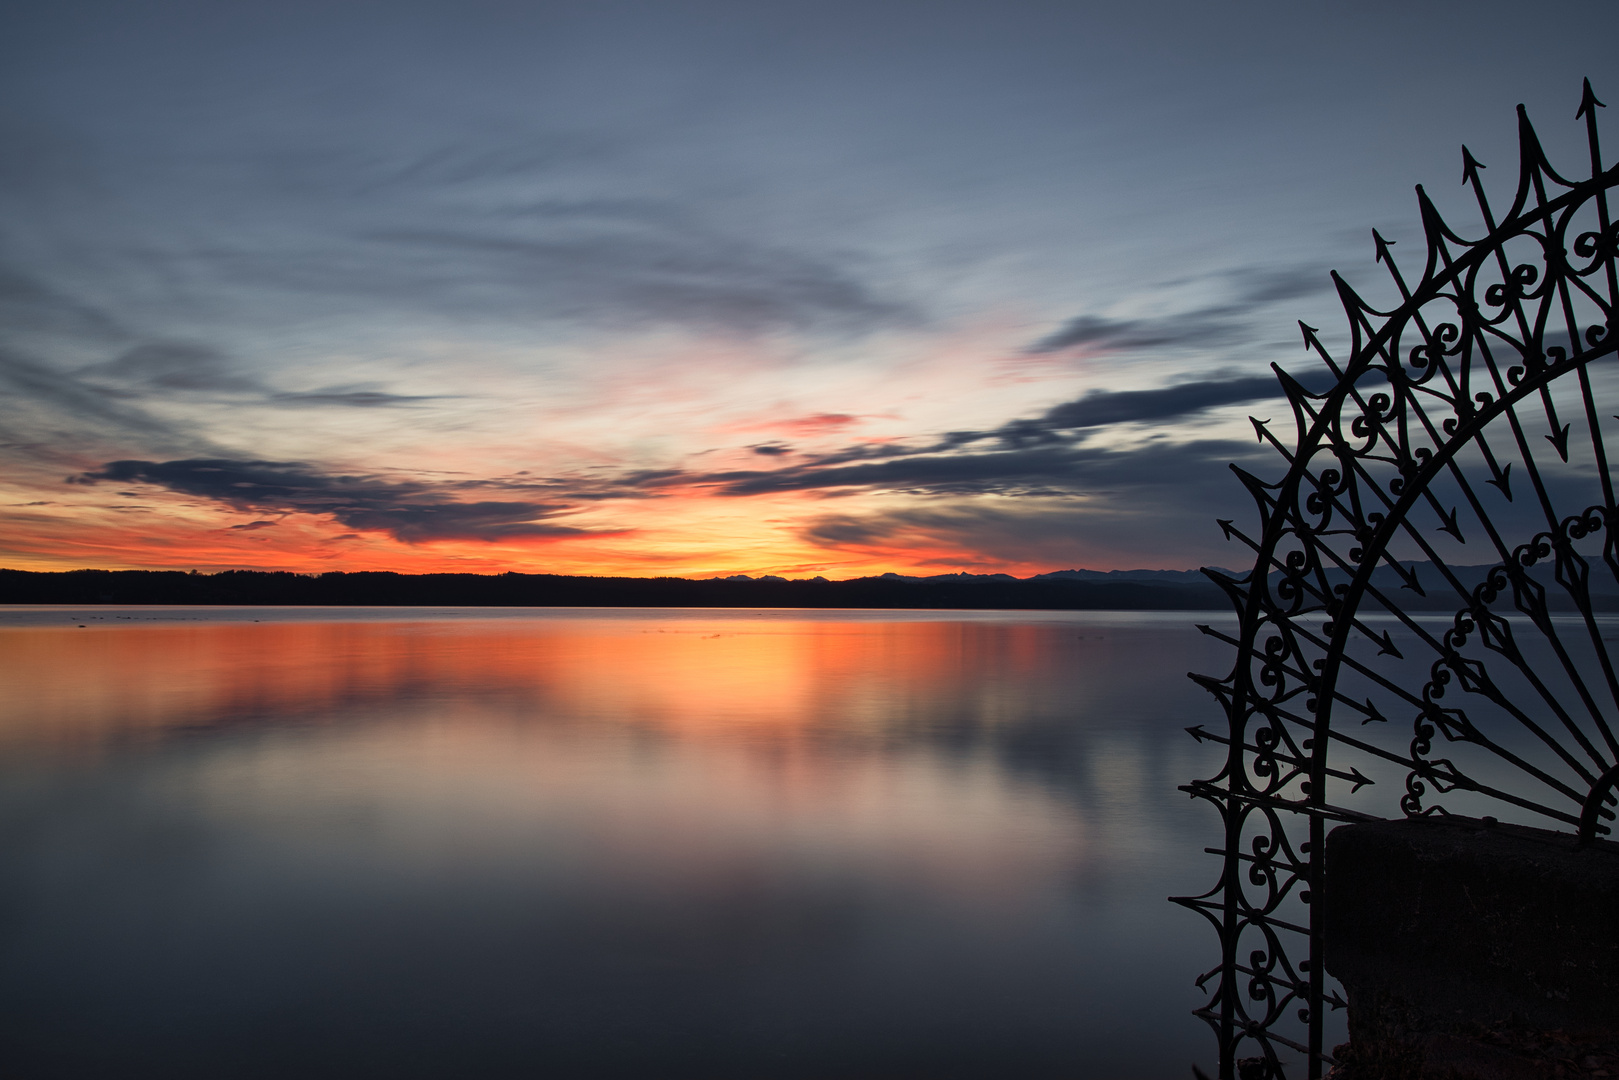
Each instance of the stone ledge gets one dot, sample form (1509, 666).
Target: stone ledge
(1473, 949)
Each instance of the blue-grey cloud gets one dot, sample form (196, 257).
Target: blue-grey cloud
(1101, 407)
(1153, 507)
(1030, 471)
(43, 403)
(1211, 326)
(632, 262)
(1072, 421)
(27, 302)
(358, 399)
(173, 366)
(1099, 334)
(166, 369)
(412, 512)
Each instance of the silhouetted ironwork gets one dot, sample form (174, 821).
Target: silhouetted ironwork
(1458, 465)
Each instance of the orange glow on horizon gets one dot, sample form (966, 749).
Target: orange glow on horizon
(688, 532)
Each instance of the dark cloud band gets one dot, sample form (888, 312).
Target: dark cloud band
(410, 512)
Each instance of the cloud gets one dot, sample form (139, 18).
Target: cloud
(1173, 524)
(1064, 469)
(27, 303)
(174, 366)
(815, 424)
(1212, 325)
(70, 404)
(168, 368)
(1065, 424)
(359, 399)
(1101, 407)
(639, 263)
(611, 263)
(1155, 505)
(1259, 286)
(412, 512)
(1098, 334)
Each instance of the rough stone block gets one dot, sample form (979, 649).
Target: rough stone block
(1471, 949)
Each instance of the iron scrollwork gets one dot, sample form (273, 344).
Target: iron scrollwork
(1392, 587)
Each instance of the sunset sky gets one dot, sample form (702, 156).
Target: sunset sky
(701, 288)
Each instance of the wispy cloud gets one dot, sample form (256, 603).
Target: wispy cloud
(639, 263)
(413, 512)
(602, 263)
(1099, 408)
(1072, 421)
(1095, 333)
(1067, 469)
(66, 410)
(351, 398)
(1211, 326)
(169, 368)
(28, 302)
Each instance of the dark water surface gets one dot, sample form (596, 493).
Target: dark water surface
(494, 843)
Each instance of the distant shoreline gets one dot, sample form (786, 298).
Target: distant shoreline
(1063, 590)
(1076, 590)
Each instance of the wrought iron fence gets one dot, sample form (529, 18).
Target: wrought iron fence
(1424, 628)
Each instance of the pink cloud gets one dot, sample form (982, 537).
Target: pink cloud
(825, 423)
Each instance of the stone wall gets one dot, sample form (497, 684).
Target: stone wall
(1469, 949)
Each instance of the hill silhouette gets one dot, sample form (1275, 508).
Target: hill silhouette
(1152, 590)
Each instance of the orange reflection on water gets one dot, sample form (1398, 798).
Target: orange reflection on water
(690, 676)
(724, 745)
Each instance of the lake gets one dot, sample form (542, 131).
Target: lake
(282, 842)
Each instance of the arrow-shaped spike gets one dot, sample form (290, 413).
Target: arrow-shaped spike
(1503, 479)
(1359, 779)
(1225, 526)
(1255, 486)
(1347, 296)
(1386, 259)
(1375, 714)
(1433, 226)
(1531, 155)
(1470, 167)
(1382, 244)
(1294, 389)
(1259, 427)
(1209, 682)
(1560, 441)
(1384, 642)
(1408, 578)
(1196, 732)
(1588, 102)
(1313, 342)
(1450, 525)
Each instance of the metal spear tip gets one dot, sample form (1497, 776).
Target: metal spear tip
(1588, 102)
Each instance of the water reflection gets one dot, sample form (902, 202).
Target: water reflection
(638, 844)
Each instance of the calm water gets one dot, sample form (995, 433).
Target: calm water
(491, 843)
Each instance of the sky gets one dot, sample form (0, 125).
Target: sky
(705, 288)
